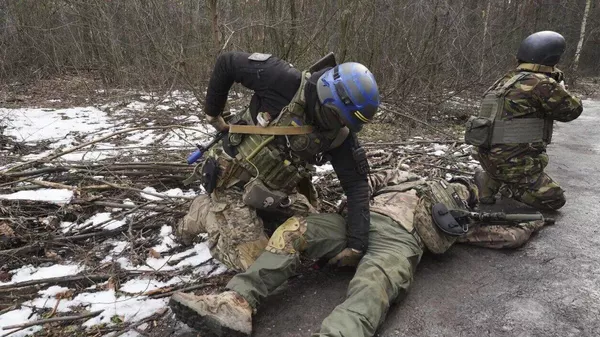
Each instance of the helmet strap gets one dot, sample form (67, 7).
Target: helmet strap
(339, 87)
(538, 68)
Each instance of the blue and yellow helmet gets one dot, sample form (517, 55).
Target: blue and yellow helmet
(350, 90)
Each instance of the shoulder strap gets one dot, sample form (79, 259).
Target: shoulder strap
(298, 99)
(271, 130)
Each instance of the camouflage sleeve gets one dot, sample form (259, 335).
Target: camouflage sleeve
(558, 103)
(381, 179)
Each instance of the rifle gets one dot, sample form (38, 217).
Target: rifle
(196, 155)
(326, 61)
(459, 214)
(455, 222)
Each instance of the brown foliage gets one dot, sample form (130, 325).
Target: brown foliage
(420, 51)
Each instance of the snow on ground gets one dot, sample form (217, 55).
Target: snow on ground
(57, 196)
(64, 128)
(27, 273)
(61, 129)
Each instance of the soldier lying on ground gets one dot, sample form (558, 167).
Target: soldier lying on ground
(402, 228)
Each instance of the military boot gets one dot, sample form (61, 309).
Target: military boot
(488, 187)
(224, 315)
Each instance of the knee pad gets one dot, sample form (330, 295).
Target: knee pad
(289, 237)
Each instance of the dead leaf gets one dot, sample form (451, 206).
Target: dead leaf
(158, 291)
(5, 276)
(112, 283)
(154, 254)
(6, 230)
(68, 294)
(51, 254)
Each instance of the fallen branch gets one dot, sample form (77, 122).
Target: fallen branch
(73, 149)
(105, 233)
(127, 188)
(413, 142)
(153, 317)
(447, 169)
(55, 281)
(418, 121)
(190, 288)
(52, 320)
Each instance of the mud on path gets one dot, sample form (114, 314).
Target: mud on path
(550, 287)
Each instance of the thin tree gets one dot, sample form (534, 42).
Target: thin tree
(588, 4)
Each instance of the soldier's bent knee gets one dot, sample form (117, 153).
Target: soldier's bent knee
(289, 237)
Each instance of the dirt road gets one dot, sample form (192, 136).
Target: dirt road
(550, 287)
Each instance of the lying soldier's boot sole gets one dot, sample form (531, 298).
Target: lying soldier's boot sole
(203, 322)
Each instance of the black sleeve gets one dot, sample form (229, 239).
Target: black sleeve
(273, 81)
(356, 187)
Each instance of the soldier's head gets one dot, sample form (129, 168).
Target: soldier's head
(347, 96)
(544, 48)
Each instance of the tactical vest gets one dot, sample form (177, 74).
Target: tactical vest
(279, 167)
(453, 195)
(417, 219)
(490, 128)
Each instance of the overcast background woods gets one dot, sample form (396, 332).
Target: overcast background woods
(418, 49)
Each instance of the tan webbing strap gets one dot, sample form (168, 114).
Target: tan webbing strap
(538, 68)
(271, 130)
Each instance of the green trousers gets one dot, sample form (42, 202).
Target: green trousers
(383, 275)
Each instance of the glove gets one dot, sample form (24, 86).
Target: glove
(349, 257)
(218, 123)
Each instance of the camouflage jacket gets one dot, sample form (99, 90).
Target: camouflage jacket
(536, 95)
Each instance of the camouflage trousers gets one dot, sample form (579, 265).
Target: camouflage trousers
(521, 178)
(236, 232)
(383, 276)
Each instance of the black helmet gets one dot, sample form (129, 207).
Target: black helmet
(542, 48)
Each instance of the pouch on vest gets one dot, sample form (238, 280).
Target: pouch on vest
(210, 174)
(259, 196)
(479, 131)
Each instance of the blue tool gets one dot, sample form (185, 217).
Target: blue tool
(196, 155)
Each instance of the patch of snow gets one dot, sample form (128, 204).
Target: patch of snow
(324, 168)
(168, 241)
(175, 192)
(32, 125)
(22, 315)
(144, 285)
(137, 106)
(440, 147)
(127, 308)
(438, 153)
(101, 217)
(29, 272)
(57, 196)
(52, 291)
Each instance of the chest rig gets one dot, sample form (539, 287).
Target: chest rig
(453, 196)
(279, 155)
(491, 128)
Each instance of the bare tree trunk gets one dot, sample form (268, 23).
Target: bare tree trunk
(344, 27)
(486, 20)
(292, 39)
(214, 17)
(588, 4)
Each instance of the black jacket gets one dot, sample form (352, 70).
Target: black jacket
(274, 83)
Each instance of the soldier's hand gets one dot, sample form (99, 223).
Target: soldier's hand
(218, 123)
(348, 257)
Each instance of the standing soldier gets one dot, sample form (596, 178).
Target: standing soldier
(515, 122)
(263, 171)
